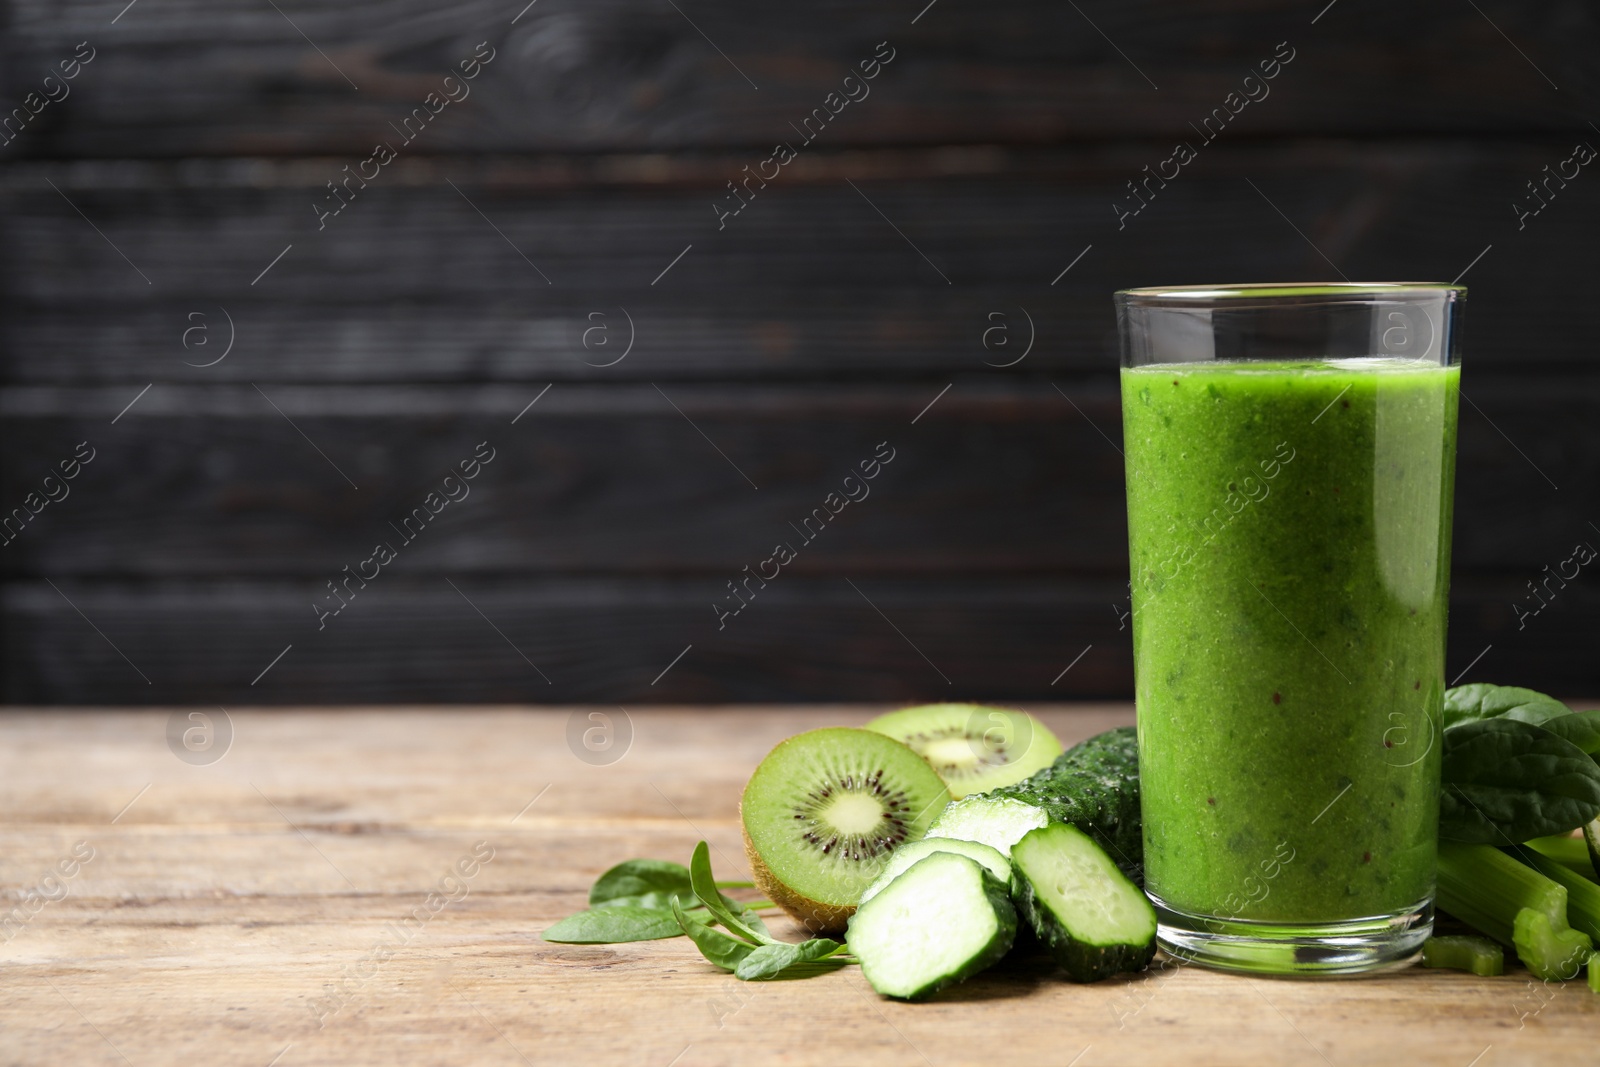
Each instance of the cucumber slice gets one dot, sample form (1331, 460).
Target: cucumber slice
(912, 851)
(943, 919)
(998, 822)
(1095, 787)
(1479, 955)
(1094, 921)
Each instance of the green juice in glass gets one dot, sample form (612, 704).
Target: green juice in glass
(1289, 532)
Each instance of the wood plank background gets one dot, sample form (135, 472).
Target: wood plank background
(230, 907)
(141, 215)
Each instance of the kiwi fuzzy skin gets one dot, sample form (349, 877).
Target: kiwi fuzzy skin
(819, 919)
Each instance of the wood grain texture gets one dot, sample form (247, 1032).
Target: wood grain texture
(606, 638)
(410, 283)
(609, 640)
(625, 73)
(996, 477)
(226, 899)
(177, 190)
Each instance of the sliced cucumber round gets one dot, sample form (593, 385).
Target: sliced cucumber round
(944, 919)
(1095, 787)
(912, 851)
(1094, 921)
(998, 822)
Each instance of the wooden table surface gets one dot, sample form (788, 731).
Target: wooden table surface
(253, 911)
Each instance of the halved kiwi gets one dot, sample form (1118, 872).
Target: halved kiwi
(823, 813)
(973, 747)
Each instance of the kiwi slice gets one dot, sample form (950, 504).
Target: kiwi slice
(974, 748)
(823, 813)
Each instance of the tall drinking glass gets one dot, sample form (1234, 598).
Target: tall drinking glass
(1291, 463)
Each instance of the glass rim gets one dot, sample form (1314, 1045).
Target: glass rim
(1283, 292)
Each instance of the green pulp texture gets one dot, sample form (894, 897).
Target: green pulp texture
(1289, 534)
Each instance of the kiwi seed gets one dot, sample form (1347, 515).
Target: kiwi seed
(823, 813)
(974, 748)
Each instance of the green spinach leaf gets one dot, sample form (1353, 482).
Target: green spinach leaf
(662, 901)
(724, 950)
(747, 915)
(705, 887)
(772, 961)
(623, 922)
(1506, 780)
(1582, 728)
(1472, 703)
(638, 877)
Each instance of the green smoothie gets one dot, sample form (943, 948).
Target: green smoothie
(1288, 526)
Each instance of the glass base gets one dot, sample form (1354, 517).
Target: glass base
(1368, 945)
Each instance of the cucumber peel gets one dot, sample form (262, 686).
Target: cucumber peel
(944, 919)
(1091, 917)
(1093, 786)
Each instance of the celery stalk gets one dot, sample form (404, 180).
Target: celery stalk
(1550, 952)
(1594, 973)
(1570, 852)
(1583, 896)
(1482, 886)
(1478, 955)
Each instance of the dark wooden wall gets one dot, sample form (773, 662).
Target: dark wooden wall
(777, 352)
